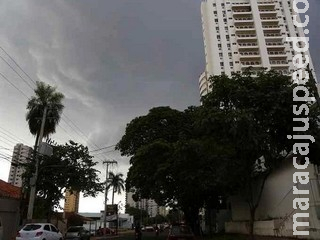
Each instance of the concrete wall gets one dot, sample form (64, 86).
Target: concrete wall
(9, 214)
(277, 204)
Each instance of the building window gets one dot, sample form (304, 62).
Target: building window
(221, 64)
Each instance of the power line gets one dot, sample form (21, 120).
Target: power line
(17, 65)
(18, 138)
(17, 73)
(99, 149)
(83, 134)
(3, 76)
(7, 139)
(106, 152)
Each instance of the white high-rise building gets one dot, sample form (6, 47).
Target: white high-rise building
(148, 205)
(242, 33)
(21, 154)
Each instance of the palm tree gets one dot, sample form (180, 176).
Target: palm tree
(47, 97)
(116, 182)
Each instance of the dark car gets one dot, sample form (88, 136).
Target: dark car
(77, 232)
(180, 232)
(108, 231)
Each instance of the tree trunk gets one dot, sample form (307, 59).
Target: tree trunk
(192, 219)
(251, 223)
(112, 196)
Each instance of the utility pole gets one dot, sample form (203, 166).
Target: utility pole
(33, 180)
(106, 195)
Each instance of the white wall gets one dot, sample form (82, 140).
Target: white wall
(277, 201)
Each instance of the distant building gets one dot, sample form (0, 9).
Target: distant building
(148, 205)
(71, 203)
(242, 33)
(163, 211)
(21, 154)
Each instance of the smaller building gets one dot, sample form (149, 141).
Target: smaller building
(21, 154)
(9, 209)
(71, 203)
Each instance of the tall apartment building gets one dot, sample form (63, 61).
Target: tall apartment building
(242, 33)
(148, 205)
(71, 203)
(21, 154)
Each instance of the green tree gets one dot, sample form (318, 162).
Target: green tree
(69, 168)
(162, 163)
(138, 214)
(252, 116)
(116, 182)
(46, 96)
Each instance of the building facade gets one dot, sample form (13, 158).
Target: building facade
(71, 203)
(21, 154)
(242, 33)
(148, 205)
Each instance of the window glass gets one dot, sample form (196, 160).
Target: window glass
(47, 228)
(54, 229)
(31, 227)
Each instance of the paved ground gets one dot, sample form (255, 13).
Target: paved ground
(163, 236)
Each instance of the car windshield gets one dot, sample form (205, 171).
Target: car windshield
(74, 229)
(177, 230)
(31, 227)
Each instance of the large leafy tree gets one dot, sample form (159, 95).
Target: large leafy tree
(163, 160)
(253, 116)
(69, 168)
(46, 96)
(228, 145)
(116, 182)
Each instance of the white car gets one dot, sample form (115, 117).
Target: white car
(39, 231)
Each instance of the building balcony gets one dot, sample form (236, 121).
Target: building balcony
(250, 64)
(274, 44)
(243, 20)
(242, 11)
(248, 46)
(272, 36)
(271, 27)
(245, 28)
(266, 10)
(247, 36)
(279, 63)
(269, 20)
(277, 53)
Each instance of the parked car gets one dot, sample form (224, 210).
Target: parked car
(149, 229)
(77, 233)
(109, 231)
(39, 231)
(180, 232)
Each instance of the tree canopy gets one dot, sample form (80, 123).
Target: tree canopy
(69, 168)
(236, 137)
(45, 96)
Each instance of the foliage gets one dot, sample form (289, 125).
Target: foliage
(45, 96)
(116, 182)
(70, 167)
(137, 213)
(232, 142)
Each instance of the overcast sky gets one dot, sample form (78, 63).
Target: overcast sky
(113, 60)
